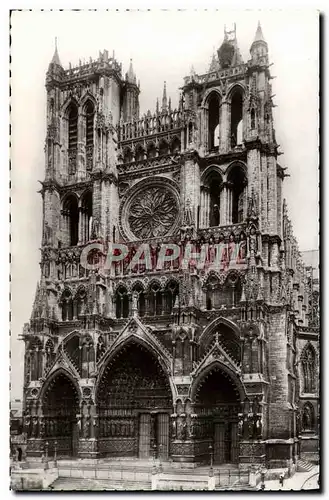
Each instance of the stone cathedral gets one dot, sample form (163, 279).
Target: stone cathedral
(178, 362)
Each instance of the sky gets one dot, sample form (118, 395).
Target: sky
(163, 45)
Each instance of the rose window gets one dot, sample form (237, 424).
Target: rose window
(152, 212)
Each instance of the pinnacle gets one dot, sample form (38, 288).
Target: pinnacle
(259, 37)
(55, 59)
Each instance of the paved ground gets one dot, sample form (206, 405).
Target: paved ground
(300, 480)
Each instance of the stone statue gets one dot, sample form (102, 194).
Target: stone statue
(42, 427)
(174, 428)
(252, 243)
(240, 427)
(95, 229)
(86, 427)
(48, 233)
(35, 427)
(242, 248)
(259, 427)
(135, 301)
(307, 418)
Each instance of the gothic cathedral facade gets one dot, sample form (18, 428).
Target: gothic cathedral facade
(175, 361)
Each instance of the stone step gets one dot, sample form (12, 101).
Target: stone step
(303, 466)
(77, 484)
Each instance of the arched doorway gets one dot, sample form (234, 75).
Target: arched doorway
(134, 404)
(60, 408)
(217, 404)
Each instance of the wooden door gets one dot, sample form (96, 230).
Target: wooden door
(144, 435)
(75, 438)
(219, 437)
(162, 430)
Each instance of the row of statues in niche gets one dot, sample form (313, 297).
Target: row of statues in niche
(250, 427)
(116, 428)
(39, 426)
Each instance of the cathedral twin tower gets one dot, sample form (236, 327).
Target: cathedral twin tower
(135, 361)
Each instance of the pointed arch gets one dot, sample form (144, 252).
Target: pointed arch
(61, 370)
(88, 96)
(235, 87)
(214, 325)
(201, 375)
(148, 344)
(60, 397)
(66, 105)
(207, 94)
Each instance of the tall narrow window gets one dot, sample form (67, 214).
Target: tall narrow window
(170, 295)
(236, 119)
(73, 126)
(211, 202)
(155, 300)
(86, 216)
(71, 220)
(238, 181)
(90, 112)
(214, 192)
(72, 137)
(122, 303)
(253, 119)
(308, 365)
(213, 121)
(190, 133)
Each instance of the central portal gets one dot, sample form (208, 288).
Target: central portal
(134, 405)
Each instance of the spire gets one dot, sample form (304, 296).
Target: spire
(55, 59)
(259, 37)
(164, 98)
(130, 76)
